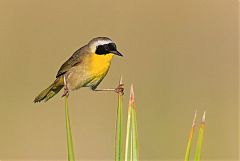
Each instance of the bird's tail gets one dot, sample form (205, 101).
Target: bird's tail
(52, 90)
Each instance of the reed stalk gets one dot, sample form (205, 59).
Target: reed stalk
(132, 148)
(69, 133)
(200, 139)
(119, 128)
(189, 144)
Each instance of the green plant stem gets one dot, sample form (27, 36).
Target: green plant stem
(118, 136)
(189, 144)
(69, 133)
(135, 134)
(128, 148)
(200, 139)
(132, 148)
(199, 144)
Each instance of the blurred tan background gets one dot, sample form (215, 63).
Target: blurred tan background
(180, 55)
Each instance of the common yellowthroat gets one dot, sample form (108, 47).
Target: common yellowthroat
(85, 68)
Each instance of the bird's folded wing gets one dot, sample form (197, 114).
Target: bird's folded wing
(75, 59)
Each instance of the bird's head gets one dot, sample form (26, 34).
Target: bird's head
(103, 46)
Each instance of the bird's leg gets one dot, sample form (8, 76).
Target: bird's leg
(119, 89)
(66, 90)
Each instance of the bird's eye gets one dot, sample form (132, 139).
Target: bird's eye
(101, 50)
(106, 47)
(112, 47)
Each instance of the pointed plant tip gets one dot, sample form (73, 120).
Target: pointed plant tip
(204, 117)
(131, 94)
(195, 113)
(121, 80)
(194, 118)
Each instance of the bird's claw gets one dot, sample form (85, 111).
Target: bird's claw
(120, 89)
(66, 92)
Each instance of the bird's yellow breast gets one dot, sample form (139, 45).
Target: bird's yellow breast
(99, 64)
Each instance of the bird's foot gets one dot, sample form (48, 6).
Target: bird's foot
(120, 89)
(66, 92)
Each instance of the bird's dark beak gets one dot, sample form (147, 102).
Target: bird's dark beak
(116, 53)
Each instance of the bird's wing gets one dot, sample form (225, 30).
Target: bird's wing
(75, 59)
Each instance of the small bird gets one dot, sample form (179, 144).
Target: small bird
(85, 68)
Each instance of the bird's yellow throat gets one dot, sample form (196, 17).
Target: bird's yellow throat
(100, 63)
